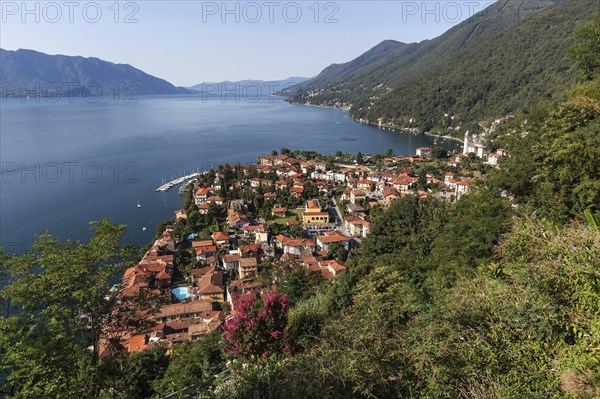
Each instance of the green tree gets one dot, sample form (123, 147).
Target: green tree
(401, 237)
(298, 284)
(439, 152)
(360, 158)
(567, 154)
(132, 376)
(587, 53)
(193, 364)
(337, 251)
(296, 231)
(59, 292)
(474, 228)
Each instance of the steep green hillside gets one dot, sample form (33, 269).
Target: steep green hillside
(497, 76)
(390, 64)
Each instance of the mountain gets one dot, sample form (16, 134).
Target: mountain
(247, 87)
(27, 70)
(384, 53)
(389, 81)
(391, 63)
(499, 75)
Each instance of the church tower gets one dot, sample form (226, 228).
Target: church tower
(466, 144)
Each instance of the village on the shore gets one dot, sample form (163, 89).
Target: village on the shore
(244, 226)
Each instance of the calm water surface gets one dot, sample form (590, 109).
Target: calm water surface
(66, 163)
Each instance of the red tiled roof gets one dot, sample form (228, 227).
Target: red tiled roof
(211, 284)
(202, 243)
(205, 250)
(328, 239)
(327, 274)
(231, 258)
(220, 236)
(203, 191)
(137, 343)
(184, 308)
(464, 183)
(249, 248)
(248, 262)
(313, 204)
(390, 191)
(335, 264)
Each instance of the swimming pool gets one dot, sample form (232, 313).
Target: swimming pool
(180, 293)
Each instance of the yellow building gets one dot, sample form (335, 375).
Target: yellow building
(313, 215)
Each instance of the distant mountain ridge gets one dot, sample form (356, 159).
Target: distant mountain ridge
(497, 76)
(390, 63)
(247, 87)
(29, 70)
(373, 85)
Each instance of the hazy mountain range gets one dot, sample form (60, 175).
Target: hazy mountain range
(30, 71)
(247, 87)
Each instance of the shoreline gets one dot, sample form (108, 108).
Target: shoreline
(443, 137)
(401, 130)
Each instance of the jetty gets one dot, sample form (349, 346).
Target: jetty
(167, 186)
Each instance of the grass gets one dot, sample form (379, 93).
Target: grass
(292, 212)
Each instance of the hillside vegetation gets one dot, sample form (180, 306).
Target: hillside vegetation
(502, 60)
(497, 76)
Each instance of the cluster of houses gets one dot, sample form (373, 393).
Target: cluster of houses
(146, 291)
(483, 151)
(205, 302)
(360, 184)
(235, 254)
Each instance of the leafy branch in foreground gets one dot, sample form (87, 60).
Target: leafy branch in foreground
(60, 296)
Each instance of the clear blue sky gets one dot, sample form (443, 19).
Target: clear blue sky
(188, 42)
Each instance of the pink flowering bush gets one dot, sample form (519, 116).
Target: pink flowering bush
(258, 330)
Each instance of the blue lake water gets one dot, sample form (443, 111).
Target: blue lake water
(69, 162)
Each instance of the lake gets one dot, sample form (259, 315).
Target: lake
(72, 161)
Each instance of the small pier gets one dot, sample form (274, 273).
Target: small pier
(167, 186)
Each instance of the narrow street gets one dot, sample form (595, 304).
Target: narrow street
(339, 219)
